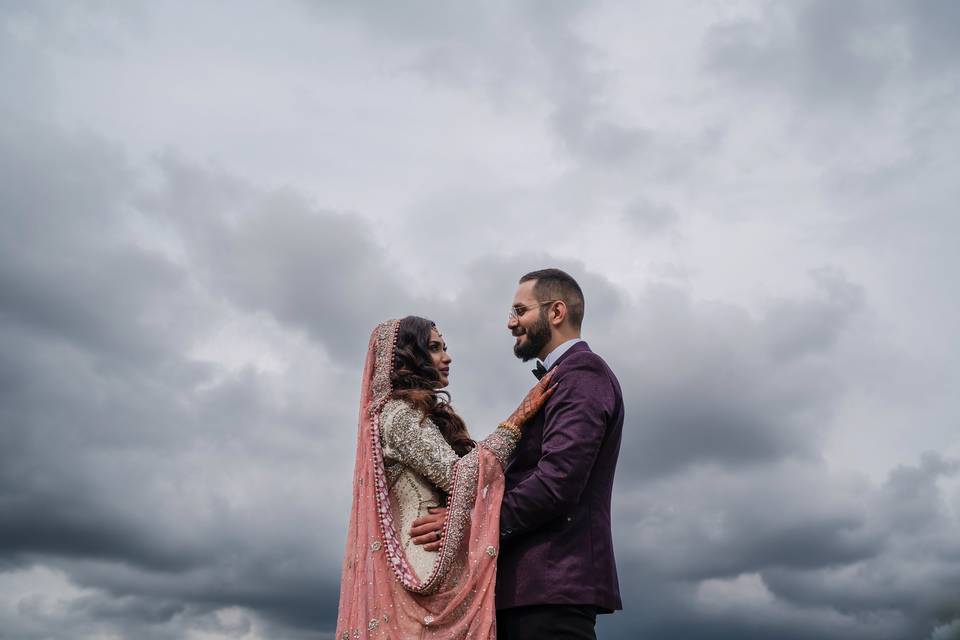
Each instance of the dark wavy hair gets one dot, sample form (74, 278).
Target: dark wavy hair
(414, 379)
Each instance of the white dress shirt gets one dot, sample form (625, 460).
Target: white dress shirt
(558, 351)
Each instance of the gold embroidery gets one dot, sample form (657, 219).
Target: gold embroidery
(418, 445)
(502, 442)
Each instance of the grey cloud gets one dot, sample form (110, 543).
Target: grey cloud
(122, 452)
(934, 34)
(812, 51)
(175, 493)
(605, 142)
(916, 567)
(714, 523)
(820, 549)
(711, 454)
(500, 48)
(577, 94)
(707, 383)
(912, 497)
(92, 613)
(114, 497)
(277, 581)
(64, 270)
(742, 491)
(793, 329)
(703, 392)
(650, 217)
(314, 269)
(830, 53)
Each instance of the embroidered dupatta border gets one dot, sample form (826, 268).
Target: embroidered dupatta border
(463, 482)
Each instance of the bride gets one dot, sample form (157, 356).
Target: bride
(414, 454)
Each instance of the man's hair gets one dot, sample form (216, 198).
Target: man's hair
(554, 284)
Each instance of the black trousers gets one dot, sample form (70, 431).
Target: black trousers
(547, 622)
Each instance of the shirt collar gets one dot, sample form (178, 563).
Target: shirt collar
(558, 351)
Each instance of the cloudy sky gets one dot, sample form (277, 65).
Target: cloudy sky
(206, 206)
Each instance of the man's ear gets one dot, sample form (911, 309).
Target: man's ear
(558, 313)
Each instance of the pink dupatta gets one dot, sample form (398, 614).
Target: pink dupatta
(380, 595)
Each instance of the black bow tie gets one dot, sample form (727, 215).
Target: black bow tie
(540, 371)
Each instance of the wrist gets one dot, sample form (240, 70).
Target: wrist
(512, 427)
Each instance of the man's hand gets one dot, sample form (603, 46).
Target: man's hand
(428, 530)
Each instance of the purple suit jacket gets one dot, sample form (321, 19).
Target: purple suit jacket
(556, 545)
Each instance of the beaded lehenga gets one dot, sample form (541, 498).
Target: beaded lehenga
(391, 588)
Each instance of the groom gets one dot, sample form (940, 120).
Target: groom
(556, 569)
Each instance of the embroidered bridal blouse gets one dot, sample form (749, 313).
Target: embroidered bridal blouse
(419, 464)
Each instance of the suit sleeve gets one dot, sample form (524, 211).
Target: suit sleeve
(574, 428)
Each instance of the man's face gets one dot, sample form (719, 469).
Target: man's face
(530, 327)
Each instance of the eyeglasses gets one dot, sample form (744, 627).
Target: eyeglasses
(518, 311)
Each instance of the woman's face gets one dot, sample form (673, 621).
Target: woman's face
(438, 352)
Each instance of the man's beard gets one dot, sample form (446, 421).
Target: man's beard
(538, 335)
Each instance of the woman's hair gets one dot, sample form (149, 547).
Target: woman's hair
(414, 379)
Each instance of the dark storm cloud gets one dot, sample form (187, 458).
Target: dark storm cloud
(315, 269)
(66, 271)
(274, 254)
(917, 569)
(713, 523)
(720, 478)
(825, 558)
(709, 383)
(116, 441)
(155, 492)
(279, 579)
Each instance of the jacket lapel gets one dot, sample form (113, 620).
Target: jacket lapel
(580, 346)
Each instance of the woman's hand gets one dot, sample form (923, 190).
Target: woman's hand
(534, 400)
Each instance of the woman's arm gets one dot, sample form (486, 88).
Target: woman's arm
(421, 446)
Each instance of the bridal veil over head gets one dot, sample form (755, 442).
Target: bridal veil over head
(380, 595)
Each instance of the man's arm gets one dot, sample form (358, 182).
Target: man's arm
(574, 428)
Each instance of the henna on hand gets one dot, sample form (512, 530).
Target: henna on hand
(533, 401)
